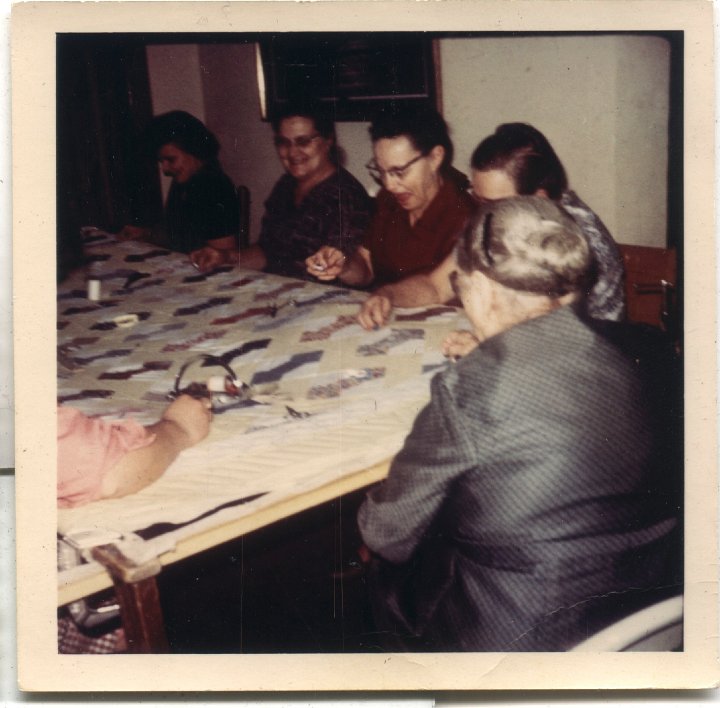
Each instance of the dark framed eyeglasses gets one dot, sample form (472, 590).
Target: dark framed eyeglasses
(302, 141)
(398, 173)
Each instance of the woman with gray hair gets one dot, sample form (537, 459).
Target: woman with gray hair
(531, 504)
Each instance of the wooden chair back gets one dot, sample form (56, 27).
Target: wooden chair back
(651, 285)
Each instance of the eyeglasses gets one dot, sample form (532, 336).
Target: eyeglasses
(302, 141)
(398, 173)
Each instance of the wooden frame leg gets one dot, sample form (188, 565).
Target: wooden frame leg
(139, 599)
(141, 616)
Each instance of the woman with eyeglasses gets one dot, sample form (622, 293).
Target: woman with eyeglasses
(420, 209)
(516, 159)
(315, 202)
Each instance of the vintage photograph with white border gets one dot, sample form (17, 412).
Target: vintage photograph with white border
(35, 28)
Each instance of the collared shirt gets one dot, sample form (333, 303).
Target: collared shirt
(336, 212)
(399, 250)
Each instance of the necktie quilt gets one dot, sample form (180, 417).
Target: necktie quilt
(322, 398)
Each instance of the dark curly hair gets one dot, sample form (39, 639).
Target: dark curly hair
(318, 113)
(424, 127)
(185, 131)
(311, 109)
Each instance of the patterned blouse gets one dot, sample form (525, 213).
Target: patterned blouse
(335, 212)
(606, 299)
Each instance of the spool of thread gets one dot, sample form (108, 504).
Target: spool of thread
(93, 289)
(224, 384)
(216, 384)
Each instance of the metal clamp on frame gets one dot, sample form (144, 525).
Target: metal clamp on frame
(132, 565)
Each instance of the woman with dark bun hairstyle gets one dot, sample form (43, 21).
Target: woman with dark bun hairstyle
(522, 158)
(202, 206)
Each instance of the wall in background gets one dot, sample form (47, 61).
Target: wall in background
(601, 100)
(641, 140)
(175, 83)
(233, 114)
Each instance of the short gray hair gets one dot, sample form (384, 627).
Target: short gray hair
(528, 244)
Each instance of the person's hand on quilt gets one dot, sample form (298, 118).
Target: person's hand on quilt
(191, 416)
(207, 258)
(459, 343)
(375, 312)
(326, 264)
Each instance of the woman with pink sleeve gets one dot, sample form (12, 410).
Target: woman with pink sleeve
(98, 459)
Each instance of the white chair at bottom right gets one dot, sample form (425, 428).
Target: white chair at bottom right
(655, 628)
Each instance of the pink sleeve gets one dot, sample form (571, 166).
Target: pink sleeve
(87, 449)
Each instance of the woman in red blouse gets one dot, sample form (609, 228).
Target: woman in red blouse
(420, 209)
